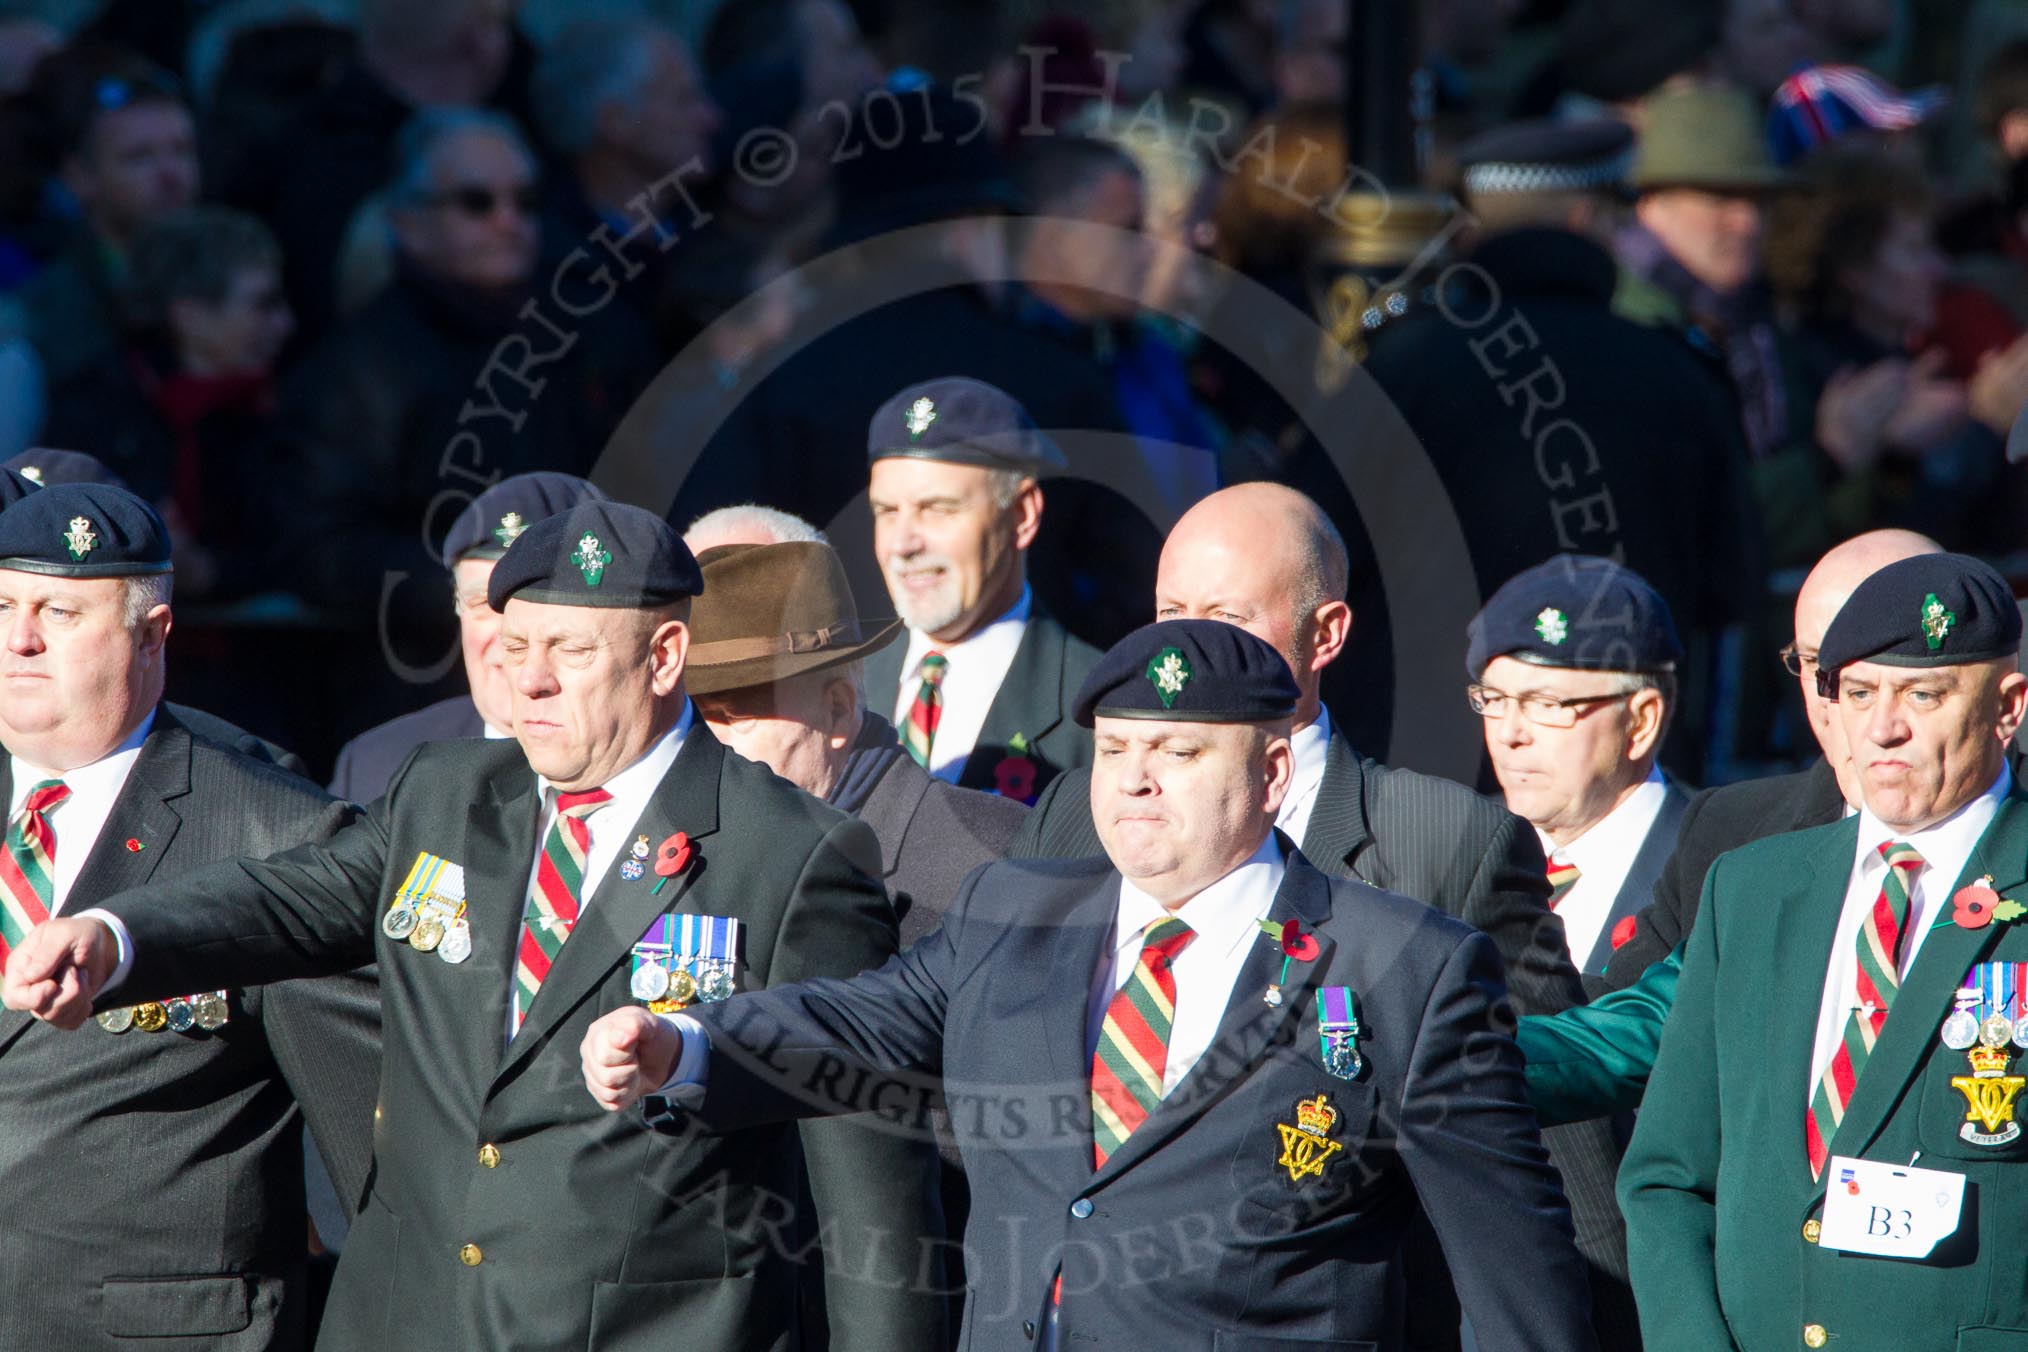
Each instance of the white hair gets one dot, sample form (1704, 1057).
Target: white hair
(750, 523)
(142, 594)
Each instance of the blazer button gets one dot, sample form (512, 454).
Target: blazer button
(471, 1257)
(489, 1156)
(1813, 1230)
(1028, 1329)
(1814, 1335)
(1081, 1208)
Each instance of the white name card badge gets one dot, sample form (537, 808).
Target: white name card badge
(1888, 1211)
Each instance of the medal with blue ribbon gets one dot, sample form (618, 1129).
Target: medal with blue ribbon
(706, 948)
(1338, 1031)
(652, 954)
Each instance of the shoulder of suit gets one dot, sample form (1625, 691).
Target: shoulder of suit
(445, 719)
(216, 767)
(766, 797)
(995, 817)
(1364, 914)
(1076, 652)
(1749, 802)
(1753, 858)
(1390, 790)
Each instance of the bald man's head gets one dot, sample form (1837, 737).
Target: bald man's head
(1818, 601)
(1267, 559)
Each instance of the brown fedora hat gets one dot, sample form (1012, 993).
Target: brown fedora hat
(769, 612)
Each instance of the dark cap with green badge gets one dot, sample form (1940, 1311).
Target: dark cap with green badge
(1935, 610)
(497, 517)
(607, 554)
(1189, 671)
(962, 421)
(83, 530)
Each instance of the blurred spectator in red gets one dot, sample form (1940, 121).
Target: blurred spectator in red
(426, 395)
(1883, 431)
(309, 179)
(184, 412)
(620, 101)
(127, 155)
(1692, 256)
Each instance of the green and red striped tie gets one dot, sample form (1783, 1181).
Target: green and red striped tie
(928, 709)
(1562, 877)
(1133, 1044)
(1880, 939)
(553, 901)
(28, 869)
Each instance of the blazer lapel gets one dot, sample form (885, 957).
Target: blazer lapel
(1638, 887)
(1084, 936)
(1029, 703)
(497, 854)
(619, 912)
(1249, 1026)
(1924, 999)
(1806, 927)
(142, 813)
(1337, 830)
(883, 676)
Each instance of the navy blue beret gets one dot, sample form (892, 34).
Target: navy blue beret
(598, 553)
(496, 518)
(46, 467)
(1577, 611)
(83, 530)
(1189, 671)
(1934, 610)
(14, 486)
(962, 421)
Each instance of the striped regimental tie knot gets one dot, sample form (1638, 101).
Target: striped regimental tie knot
(553, 901)
(1562, 877)
(29, 865)
(928, 710)
(1881, 938)
(1133, 1044)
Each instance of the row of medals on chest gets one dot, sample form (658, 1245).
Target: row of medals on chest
(208, 1011)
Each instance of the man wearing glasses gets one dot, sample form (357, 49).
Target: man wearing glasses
(1574, 671)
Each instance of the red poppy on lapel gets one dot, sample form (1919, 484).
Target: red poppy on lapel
(670, 859)
(1014, 777)
(1972, 906)
(1623, 931)
(1296, 944)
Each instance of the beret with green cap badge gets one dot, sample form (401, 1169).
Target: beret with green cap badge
(610, 555)
(1577, 611)
(83, 530)
(1934, 610)
(1189, 671)
(961, 421)
(498, 516)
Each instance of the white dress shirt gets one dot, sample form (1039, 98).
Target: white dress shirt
(611, 827)
(1226, 920)
(978, 665)
(1603, 855)
(1309, 745)
(1944, 848)
(78, 819)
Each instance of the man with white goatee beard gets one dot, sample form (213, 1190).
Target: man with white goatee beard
(980, 692)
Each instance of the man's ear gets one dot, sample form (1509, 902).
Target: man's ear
(1645, 711)
(1027, 509)
(668, 649)
(841, 712)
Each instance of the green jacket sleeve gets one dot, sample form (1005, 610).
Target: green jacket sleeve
(1593, 1060)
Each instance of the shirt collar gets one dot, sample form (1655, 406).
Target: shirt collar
(1309, 742)
(638, 780)
(108, 771)
(1620, 831)
(1947, 844)
(1222, 914)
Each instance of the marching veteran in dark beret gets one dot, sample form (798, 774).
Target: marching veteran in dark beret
(1828, 1148)
(980, 690)
(512, 892)
(1212, 1084)
(149, 1164)
(476, 541)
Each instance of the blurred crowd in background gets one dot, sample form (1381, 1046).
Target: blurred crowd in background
(310, 273)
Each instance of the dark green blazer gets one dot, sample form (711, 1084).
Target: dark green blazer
(1716, 1185)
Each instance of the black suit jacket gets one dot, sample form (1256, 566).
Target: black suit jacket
(368, 761)
(153, 1181)
(1195, 1234)
(231, 736)
(1715, 821)
(1033, 703)
(1468, 857)
(591, 1229)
